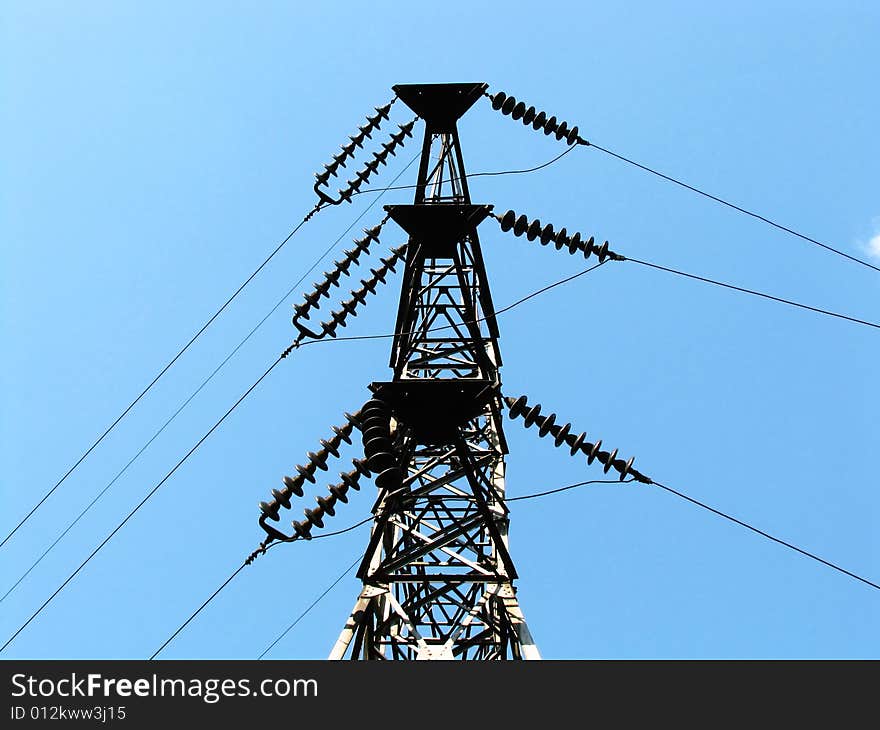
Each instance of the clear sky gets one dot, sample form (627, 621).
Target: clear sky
(153, 154)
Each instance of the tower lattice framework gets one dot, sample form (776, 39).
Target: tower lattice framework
(437, 573)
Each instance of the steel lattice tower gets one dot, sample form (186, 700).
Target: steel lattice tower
(437, 574)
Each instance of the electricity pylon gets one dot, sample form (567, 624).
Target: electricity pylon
(437, 573)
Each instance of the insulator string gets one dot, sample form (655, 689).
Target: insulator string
(539, 121)
(521, 225)
(338, 318)
(531, 415)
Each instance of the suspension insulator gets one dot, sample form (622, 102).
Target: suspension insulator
(338, 317)
(351, 479)
(374, 440)
(378, 444)
(307, 472)
(575, 444)
(303, 529)
(519, 408)
(312, 298)
(375, 429)
(375, 404)
(562, 238)
(372, 418)
(509, 106)
(319, 459)
(382, 460)
(293, 485)
(561, 435)
(591, 454)
(270, 510)
(609, 461)
(374, 122)
(507, 220)
(281, 498)
(327, 504)
(352, 420)
(362, 177)
(343, 433)
(545, 427)
(389, 479)
(533, 229)
(339, 491)
(315, 516)
(532, 415)
(330, 447)
(331, 278)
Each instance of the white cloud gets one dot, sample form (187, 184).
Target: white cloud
(873, 246)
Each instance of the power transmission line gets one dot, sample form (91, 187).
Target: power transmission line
(217, 424)
(344, 573)
(534, 495)
(767, 535)
(735, 207)
(199, 610)
(365, 337)
(567, 488)
(247, 337)
(140, 504)
(468, 176)
(310, 607)
(200, 388)
(161, 373)
(743, 290)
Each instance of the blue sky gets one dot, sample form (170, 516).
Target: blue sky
(154, 154)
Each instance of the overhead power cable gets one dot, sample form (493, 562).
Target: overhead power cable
(563, 435)
(527, 297)
(763, 295)
(204, 383)
(529, 116)
(343, 574)
(534, 230)
(142, 502)
(310, 607)
(735, 207)
(223, 418)
(534, 495)
(338, 339)
(248, 561)
(470, 175)
(199, 610)
(754, 529)
(161, 373)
